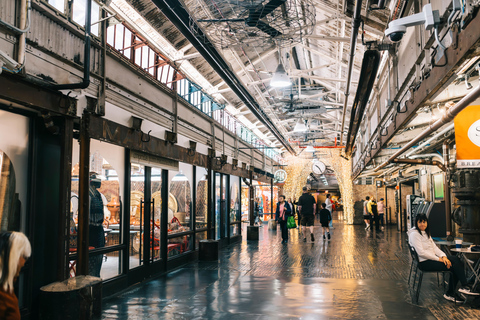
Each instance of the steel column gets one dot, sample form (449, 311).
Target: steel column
(84, 208)
(446, 189)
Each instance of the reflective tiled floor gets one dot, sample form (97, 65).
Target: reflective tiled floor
(357, 274)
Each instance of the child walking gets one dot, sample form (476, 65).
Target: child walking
(325, 218)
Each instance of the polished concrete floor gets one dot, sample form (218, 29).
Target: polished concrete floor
(357, 274)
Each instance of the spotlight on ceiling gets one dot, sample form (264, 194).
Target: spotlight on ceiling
(300, 126)
(310, 149)
(280, 78)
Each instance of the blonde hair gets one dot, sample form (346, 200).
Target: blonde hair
(17, 246)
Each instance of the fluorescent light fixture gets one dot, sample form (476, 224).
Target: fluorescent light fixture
(310, 149)
(300, 126)
(180, 177)
(280, 78)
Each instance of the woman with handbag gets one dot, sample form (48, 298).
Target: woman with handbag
(281, 216)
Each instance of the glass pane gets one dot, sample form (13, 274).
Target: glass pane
(58, 4)
(137, 185)
(202, 199)
(111, 35)
(235, 229)
(156, 189)
(179, 245)
(9, 203)
(109, 262)
(179, 201)
(225, 211)
(200, 236)
(105, 208)
(95, 17)
(79, 7)
(217, 205)
(245, 203)
(234, 205)
(119, 33)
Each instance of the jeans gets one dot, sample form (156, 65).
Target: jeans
(457, 271)
(381, 216)
(284, 229)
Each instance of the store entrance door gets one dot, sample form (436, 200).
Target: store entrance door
(221, 201)
(145, 256)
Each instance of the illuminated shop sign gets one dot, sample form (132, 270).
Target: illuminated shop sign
(467, 137)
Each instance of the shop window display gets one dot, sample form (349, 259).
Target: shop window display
(234, 206)
(180, 210)
(105, 216)
(201, 199)
(264, 193)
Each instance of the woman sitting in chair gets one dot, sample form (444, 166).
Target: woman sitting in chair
(431, 258)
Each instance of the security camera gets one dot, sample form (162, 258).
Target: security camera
(8, 62)
(397, 28)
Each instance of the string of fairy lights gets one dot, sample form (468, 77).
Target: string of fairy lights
(298, 169)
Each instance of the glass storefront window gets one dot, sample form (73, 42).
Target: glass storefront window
(105, 212)
(179, 245)
(234, 206)
(180, 199)
(137, 202)
(200, 236)
(201, 199)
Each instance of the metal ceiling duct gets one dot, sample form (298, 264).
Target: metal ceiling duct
(176, 13)
(371, 61)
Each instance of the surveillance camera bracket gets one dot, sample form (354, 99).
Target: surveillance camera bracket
(428, 17)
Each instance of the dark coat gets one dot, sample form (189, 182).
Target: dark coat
(288, 211)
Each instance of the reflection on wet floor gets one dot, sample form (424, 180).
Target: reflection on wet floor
(357, 274)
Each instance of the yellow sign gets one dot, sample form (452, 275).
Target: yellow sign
(467, 137)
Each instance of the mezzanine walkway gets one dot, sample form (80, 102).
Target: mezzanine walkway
(355, 275)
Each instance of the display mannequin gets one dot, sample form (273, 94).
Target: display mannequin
(96, 234)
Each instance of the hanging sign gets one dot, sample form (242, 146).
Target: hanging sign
(280, 176)
(467, 137)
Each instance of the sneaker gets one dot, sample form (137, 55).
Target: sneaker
(311, 237)
(467, 290)
(324, 237)
(454, 298)
(304, 239)
(328, 236)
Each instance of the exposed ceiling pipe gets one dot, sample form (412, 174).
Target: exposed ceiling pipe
(427, 142)
(421, 161)
(176, 13)
(427, 155)
(449, 116)
(356, 25)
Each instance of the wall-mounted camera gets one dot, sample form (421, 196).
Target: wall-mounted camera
(397, 28)
(8, 62)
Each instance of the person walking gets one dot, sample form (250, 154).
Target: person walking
(256, 212)
(325, 218)
(366, 214)
(281, 216)
(307, 208)
(296, 213)
(381, 211)
(372, 210)
(329, 207)
(15, 249)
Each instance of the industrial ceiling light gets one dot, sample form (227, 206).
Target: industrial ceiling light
(280, 78)
(310, 149)
(300, 126)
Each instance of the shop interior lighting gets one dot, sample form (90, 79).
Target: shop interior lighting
(280, 78)
(300, 126)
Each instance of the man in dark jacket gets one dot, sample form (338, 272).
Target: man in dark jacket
(307, 208)
(281, 215)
